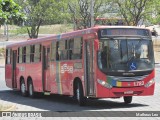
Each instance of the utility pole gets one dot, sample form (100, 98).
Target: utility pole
(92, 13)
(7, 34)
(6, 31)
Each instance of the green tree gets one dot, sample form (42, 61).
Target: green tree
(154, 16)
(133, 10)
(40, 12)
(80, 11)
(10, 11)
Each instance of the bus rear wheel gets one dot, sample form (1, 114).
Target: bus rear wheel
(80, 95)
(127, 99)
(31, 89)
(23, 88)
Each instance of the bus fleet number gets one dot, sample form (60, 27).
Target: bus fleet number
(139, 83)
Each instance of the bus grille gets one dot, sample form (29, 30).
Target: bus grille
(125, 79)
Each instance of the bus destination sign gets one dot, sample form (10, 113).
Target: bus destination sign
(123, 31)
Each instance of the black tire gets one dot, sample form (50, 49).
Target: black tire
(23, 88)
(80, 94)
(127, 99)
(31, 89)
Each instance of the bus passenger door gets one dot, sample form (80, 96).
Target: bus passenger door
(89, 67)
(46, 68)
(14, 56)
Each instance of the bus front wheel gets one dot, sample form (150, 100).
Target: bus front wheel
(127, 99)
(80, 95)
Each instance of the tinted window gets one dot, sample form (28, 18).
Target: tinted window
(27, 54)
(23, 54)
(53, 51)
(37, 54)
(8, 56)
(20, 55)
(62, 50)
(77, 49)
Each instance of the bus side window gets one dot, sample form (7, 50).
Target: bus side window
(70, 48)
(8, 56)
(53, 51)
(62, 50)
(32, 50)
(37, 53)
(77, 48)
(20, 55)
(57, 51)
(23, 54)
(27, 54)
(65, 50)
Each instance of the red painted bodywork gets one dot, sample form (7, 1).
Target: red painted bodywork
(119, 91)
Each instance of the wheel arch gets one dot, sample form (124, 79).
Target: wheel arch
(75, 81)
(20, 80)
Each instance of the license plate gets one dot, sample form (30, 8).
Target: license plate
(128, 92)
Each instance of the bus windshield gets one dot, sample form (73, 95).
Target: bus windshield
(125, 54)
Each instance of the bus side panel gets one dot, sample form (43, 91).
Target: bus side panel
(101, 91)
(53, 78)
(66, 69)
(8, 75)
(20, 73)
(78, 72)
(67, 74)
(34, 70)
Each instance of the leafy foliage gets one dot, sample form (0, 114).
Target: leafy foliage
(154, 16)
(40, 12)
(10, 11)
(133, 10)
(80, 11)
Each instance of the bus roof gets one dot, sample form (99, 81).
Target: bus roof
(76, 33)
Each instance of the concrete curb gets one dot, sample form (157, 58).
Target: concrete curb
(12, 108)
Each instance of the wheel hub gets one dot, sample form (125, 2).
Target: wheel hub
(23, 88)
(30, 89)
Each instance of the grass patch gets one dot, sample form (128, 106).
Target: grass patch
(17, 33)
(55, 29)
(44, 29)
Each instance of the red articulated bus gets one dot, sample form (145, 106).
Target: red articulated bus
(99, 62)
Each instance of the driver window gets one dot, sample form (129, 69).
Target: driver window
(103, 54)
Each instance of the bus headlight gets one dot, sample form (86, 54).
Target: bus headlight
(148, 84)
(105, 84)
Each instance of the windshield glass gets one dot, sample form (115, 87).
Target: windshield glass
(125, 54)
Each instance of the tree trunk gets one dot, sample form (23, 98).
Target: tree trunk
(33, 32)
